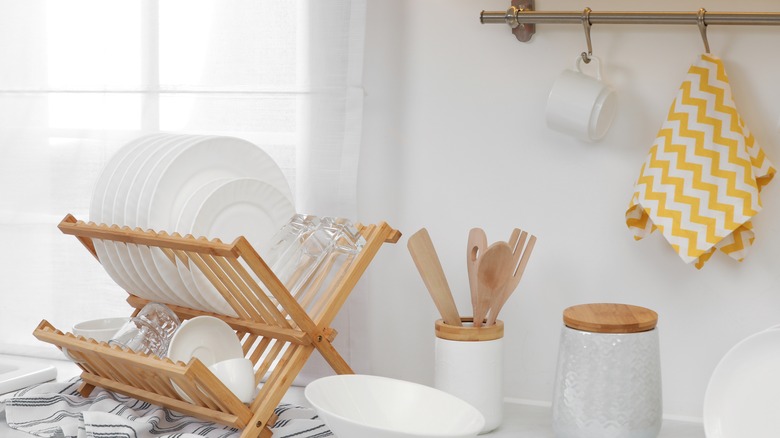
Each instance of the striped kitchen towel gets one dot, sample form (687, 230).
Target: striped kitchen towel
(700, 184)
(57, 410)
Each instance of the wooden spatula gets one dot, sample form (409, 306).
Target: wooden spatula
(494, 270)
(428, 264)
(477, 245)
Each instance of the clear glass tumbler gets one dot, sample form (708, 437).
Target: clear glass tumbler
(148, 332)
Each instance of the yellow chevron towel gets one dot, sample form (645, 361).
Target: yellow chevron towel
(701, 181)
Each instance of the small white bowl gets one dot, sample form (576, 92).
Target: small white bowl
(358, 406)
(238, 375)
(101, 329)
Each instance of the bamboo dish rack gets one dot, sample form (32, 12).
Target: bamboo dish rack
(276, 333)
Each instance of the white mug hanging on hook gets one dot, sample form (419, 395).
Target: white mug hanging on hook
(581, 105)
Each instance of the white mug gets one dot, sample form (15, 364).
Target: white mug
(581, 105)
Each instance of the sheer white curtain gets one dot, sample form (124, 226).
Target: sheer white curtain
(82, 77)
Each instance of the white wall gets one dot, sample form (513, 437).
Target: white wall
(454, 137)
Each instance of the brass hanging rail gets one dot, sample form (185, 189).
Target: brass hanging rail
(522, 17)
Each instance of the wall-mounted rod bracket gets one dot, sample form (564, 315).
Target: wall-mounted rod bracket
(522, 31)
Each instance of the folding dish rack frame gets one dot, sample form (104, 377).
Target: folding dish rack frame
(261, 322)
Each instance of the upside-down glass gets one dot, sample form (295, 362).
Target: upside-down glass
(310, 254)
(148, 332)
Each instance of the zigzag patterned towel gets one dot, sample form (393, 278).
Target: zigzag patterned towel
(701, 181)
(56, 410)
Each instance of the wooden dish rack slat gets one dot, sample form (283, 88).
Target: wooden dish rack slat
(278, 331)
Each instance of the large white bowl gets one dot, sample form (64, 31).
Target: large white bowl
(359, 406)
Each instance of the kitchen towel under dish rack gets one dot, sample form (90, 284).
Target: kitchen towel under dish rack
(39, 410)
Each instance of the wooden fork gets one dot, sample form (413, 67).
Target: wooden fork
(520, 256)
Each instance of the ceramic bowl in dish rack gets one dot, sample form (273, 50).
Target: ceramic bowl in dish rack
(101, 330)
(359, 406)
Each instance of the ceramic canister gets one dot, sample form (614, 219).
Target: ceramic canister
(469, 365)
(608, 381)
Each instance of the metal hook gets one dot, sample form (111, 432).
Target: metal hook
(703, 29)
(586, 24)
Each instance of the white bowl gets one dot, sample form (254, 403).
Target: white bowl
(358, 406)
(208, 338)
(238, 375)
(101, 329)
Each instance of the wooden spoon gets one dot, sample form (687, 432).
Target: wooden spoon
(495, 268)
(477, 245)
(427, 262)
(520, 255)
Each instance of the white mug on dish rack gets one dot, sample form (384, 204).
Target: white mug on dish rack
(581, 105)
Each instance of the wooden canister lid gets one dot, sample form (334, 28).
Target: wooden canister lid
(610, 318)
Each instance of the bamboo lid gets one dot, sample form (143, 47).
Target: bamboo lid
(610, 318)
(467, 332)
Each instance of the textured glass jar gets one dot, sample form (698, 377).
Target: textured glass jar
(608, 384)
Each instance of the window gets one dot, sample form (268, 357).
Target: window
(83, 77)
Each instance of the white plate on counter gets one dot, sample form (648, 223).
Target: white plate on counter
(742, 395)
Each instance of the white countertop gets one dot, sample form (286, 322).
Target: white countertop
(520, 420)
(527, 421)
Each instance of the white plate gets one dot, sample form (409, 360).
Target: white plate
(116, 194)
(138, 204)
(99, 191)
(208, 338)
(96, 208)
(240, 207)
(177, 177)
(742, 395)
(176, 292)
(187, 216)
(124, 212)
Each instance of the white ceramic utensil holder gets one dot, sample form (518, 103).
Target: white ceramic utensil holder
(608, 385)
(469, 365)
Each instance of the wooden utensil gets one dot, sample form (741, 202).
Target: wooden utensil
(477, 244)
(428, 264)
(494, 270)
(520, 255)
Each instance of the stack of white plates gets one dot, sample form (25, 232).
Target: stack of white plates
(217, 187)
